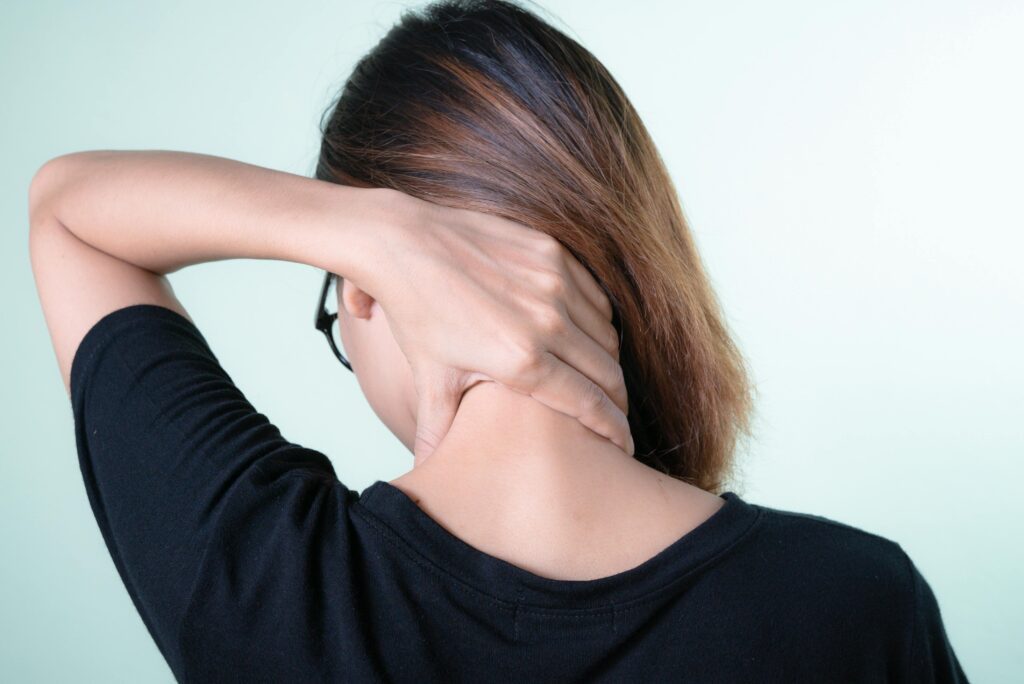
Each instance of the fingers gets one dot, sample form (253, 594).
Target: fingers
(590, 309)
(589, 287)
(436, 407)
(579, 350)
(557, 384)
(593, 323)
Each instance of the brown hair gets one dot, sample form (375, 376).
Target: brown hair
(480, 104)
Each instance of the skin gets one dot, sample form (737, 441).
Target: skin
(108, 226)
(516, 479)
(512, 402)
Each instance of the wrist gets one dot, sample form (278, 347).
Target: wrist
(359, 230)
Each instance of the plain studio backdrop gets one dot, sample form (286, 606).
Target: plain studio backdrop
(852, 173)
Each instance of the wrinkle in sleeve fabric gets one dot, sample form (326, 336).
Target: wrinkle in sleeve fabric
(189, 482)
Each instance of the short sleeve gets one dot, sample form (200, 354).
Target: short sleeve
(169, 448)
(931, 658)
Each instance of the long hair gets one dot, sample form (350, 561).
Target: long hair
(480, 104)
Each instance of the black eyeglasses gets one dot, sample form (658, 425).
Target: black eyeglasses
(326, 321)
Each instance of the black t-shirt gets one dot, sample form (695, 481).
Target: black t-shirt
(249, 560)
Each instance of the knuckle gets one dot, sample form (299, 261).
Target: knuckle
(551, 322)
(606, 308)
(550, 246)
(619, 375)
(594, 398)
(552, 284)
(614, 382)
(613, 338)
(433, 383)
(528, 364)
(427, 436)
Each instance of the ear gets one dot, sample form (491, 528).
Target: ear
(356, 302)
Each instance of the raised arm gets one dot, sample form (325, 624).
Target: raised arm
(107, 226)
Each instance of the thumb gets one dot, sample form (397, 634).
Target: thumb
(438, 402)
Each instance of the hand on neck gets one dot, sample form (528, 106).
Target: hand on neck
(534, 487)
(498, 428)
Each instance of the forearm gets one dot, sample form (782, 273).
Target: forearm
(162, 211)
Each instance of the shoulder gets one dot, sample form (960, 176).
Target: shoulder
(849, 585)
(827, 563)
(834, 544)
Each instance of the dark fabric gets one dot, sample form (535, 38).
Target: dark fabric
(249, 561)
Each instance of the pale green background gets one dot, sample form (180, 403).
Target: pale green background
(852, 172)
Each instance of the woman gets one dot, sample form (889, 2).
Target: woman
(485, 182)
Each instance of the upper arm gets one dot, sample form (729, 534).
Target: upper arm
(79, 284)
(931, 656)
(194, 490)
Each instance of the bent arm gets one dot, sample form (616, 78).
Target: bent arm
(107, 226)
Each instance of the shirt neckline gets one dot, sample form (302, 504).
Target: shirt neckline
(413, 528)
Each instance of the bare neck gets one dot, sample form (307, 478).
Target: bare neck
(497, 428)
(535, 487)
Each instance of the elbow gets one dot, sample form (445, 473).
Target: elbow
(51, 179)
(42, 189)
